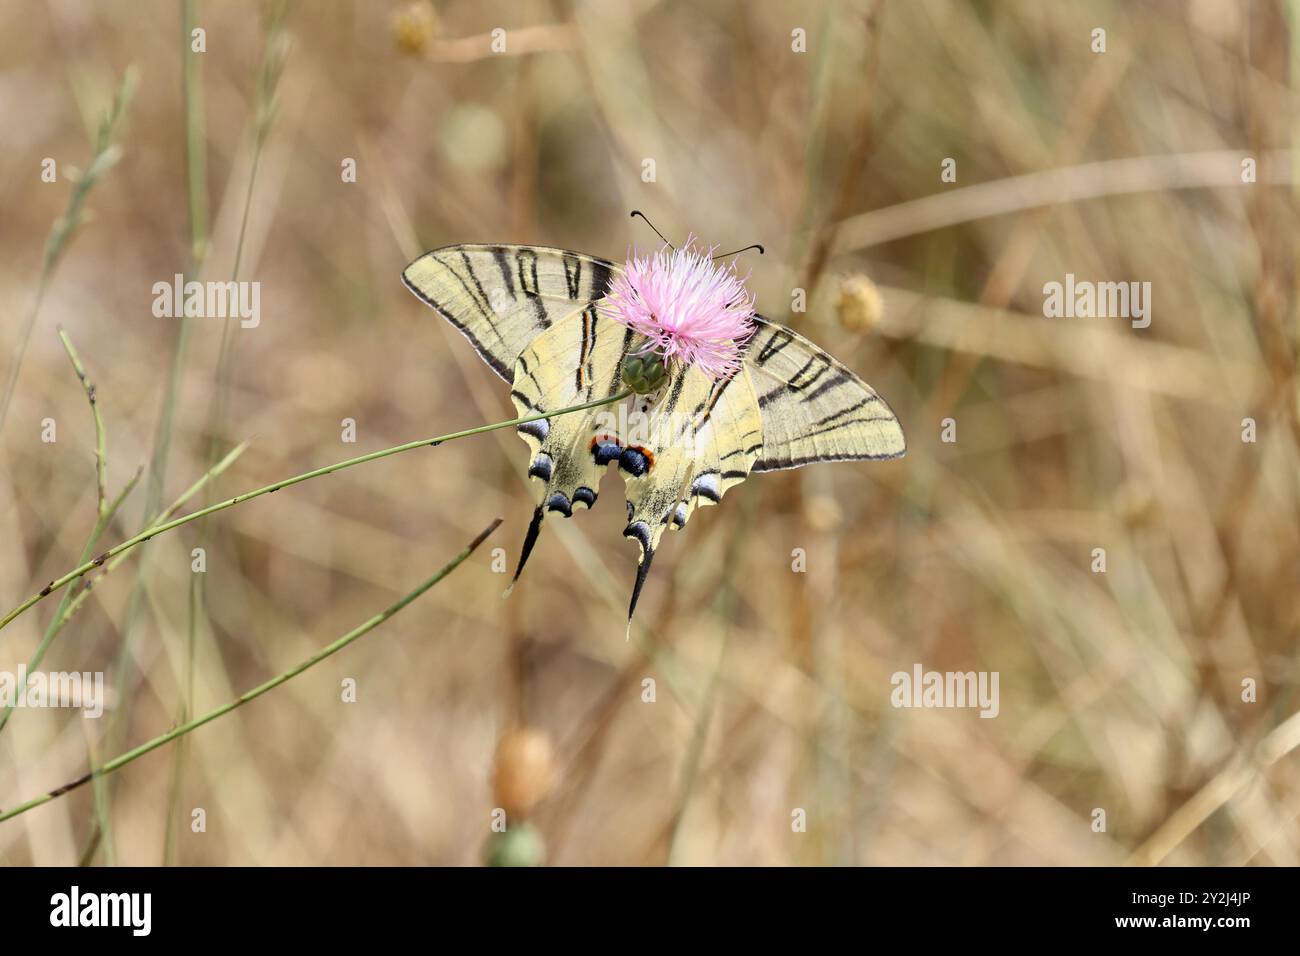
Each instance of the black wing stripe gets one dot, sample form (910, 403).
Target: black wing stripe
(851, 421)
(839, 378)
(486, 303)
(488, 313)
(601, 271)
(777, 464)
(497, 365)
(523, 364)
(771, 346)
(714, 396)
(795, 385)
(499, 254)
(589, 316)
(742, 451)
(572, 274)
(846, 410)
(674, 394)
(582, 374)
(618, 366)
(526, 257)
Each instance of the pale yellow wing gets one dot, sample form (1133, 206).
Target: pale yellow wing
(577, 359)
(530, 313)
(701, 437)
(502, 297)
(813, 407)
(677, 449)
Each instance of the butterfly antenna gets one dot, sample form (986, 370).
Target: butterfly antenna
(530, 539)
(638, 212)
(739, 251)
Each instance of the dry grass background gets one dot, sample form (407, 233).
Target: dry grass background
(1119, 691)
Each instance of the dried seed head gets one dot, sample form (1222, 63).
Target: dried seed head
(414, 27)
(525, 768)
(860, 306)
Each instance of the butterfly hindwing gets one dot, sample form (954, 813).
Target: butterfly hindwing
(677, 449)
(502, 297)
(813, 407)
(574, 361)
(691, 442)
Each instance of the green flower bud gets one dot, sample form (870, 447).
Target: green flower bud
(644, 374)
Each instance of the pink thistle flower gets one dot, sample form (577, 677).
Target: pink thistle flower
(691, 310)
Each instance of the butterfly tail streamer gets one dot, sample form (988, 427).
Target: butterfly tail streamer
(641, 532)
(530, 539)
(642, 570)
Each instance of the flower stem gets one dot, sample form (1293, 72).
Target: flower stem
(148, 533)
(105, 511)
(101, 455)
(117, 763)
(103, 159)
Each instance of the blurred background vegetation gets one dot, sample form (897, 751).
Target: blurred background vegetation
(1120, 690)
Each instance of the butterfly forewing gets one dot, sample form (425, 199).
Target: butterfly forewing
(502, 297)
(813, 407)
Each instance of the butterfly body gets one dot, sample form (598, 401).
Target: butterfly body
(540, 318)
